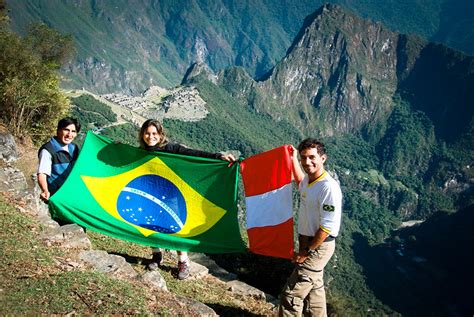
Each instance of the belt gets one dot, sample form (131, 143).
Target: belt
(329, 238)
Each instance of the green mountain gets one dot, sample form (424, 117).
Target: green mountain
(130, 45)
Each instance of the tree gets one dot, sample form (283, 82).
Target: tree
(3, 16)
(30, 99)
(53, 48)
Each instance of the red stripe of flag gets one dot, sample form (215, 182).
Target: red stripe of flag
(270, 241)
(266, 171)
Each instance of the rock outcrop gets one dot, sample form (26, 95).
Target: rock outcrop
(8, 151)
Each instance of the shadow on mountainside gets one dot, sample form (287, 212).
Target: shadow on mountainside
(428, 272)
(439, 84)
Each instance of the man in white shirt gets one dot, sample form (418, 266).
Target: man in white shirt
(56, 157)
(319, 221)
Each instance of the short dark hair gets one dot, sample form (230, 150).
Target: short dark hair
(64, 122)
(159, 127)
(311, 143)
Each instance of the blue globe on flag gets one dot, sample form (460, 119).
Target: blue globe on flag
(154, 203)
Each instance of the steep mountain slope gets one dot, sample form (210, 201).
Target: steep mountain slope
(130, 45)
(341, 74)
(388, 93)
(438, 81)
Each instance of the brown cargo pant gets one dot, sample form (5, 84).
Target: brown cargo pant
(303, 294)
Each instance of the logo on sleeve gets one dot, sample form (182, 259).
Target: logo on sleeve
(329, 208)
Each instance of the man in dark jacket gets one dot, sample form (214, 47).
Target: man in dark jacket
(56, 157)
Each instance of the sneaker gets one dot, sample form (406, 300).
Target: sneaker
(155, 261)
(183, 270)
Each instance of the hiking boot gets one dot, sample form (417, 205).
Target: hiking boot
(183, 270)
(155, 261)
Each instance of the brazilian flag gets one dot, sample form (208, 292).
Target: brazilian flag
(156, 199)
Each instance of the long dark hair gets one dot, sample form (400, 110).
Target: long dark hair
(159, 128)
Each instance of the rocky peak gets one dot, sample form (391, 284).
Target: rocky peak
(199, 69)
(339, 74)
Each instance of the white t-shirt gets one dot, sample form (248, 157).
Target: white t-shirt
(320, 206)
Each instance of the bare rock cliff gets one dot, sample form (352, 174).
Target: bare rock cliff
(339, 74)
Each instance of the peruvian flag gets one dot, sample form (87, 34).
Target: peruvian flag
(268, 199)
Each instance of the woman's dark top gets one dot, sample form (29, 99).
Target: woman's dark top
(176, 148)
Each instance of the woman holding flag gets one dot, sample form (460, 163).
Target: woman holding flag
(152, 137)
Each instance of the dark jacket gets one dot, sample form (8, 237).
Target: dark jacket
(176, 148)
(62, 163)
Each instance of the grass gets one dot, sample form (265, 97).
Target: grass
(75, 291)
(35, 279)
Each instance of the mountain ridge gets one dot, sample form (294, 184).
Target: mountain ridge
(344, 83)
(145, 44)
